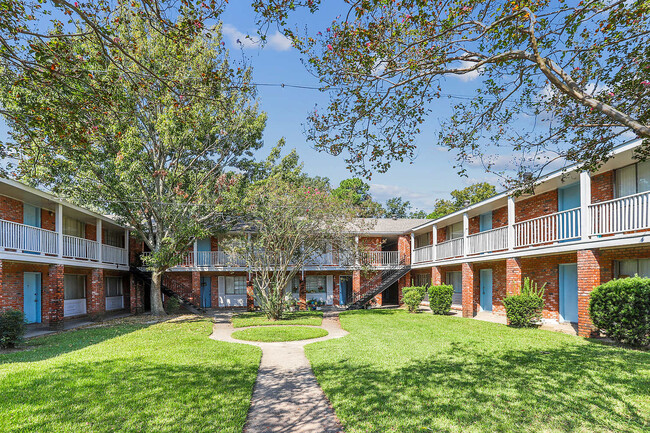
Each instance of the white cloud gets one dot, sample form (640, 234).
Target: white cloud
(276, 42)
(419, 200)
(470, 76)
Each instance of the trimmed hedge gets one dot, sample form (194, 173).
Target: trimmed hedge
(524, 311)
(621, 309)
(440, 298)
(412, 297)
(12, 328)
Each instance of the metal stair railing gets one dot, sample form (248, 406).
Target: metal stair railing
(378, 283)
(169, 288)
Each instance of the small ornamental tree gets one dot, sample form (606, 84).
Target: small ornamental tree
(289, 225)
(525, 309)
(440, 298)
(156, 154)
(412, 297)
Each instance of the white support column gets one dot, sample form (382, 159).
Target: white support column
(100, 256)
(195, 250)
(58, 225)
(434, 241)
(511, 223)
(126, 246)
(465, 233)
(412, 246)
(585, 201)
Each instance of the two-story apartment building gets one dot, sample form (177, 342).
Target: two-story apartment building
(58, 260)
(576, 231)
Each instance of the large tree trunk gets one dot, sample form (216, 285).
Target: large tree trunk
(157, 308)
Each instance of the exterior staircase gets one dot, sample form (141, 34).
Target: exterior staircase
(377, 284)
(169, 288)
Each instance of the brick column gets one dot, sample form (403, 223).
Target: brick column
(356, 282)
(214, 287)
(405, 281)
(436, 276)
(302, 295)
(513, 276)
(2, 289)
(590, 274)
(469, 301)
(55, 295)
(97, 298)
(250, 296)
(336, 291)
(136, 292)
(404, 248)
(196, 288)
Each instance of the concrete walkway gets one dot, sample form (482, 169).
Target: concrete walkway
(286, 396)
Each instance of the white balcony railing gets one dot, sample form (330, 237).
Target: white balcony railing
(79, 248)
(26, 238)
(115, 255)
(449, 249)
(620, 215)
(380, 258)
(487, 241)
(219, 259)
(424, 254)
(556, 227)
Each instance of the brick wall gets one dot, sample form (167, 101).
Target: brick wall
(474, 225)
(91, 232)
(54, 306)
(214, 244)
(500, 217)
(545, 269)
(538, 205)
(470, 293)
(370, 243)
(48, 220)
(436, 276)
(12, 286)
(185, 279)
(135, 248)
(96, 293)
(442, 234)
(591, 273)
(11, 209)
(602, 187)
(513, 276)
(404, 247)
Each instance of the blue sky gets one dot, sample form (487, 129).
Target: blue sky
(430, 176)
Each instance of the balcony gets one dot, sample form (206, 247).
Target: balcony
(450, 249)
(548, 229)
(488, 241)
(24, 239)
(626, 214)
(424, 254)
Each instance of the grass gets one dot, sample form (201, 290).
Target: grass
(400, 372)
(279, 333)
(168, 377)
(312, 318)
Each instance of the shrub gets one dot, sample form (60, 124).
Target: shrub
(525, 309)
(12, 328)
(412, 297)
(440, 298)
(173, 305)
(621, 309)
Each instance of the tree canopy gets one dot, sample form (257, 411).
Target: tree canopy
(560, 82)
(461, 198)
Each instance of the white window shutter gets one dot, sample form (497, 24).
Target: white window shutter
(221, 289)
(330, 290)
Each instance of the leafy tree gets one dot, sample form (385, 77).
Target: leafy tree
(575, 74)
(155, 154)
(357, 192)
(397, 207)
(461, 198)
(287, 226)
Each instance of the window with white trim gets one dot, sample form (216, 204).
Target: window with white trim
(74, 287)
(114, 238)
(316, 283)
(456, 230)
(235, 285)
(293, 286)
(113, 286)
(422, 240)
(455, 279)
(421, 280)
(630, 268)
(632, 179)
(73, 227)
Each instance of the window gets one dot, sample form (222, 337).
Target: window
(293, 286)
(113, 286)
(422, 240)
(630, 268)
(485, 222)
(633, 179)
(74, 286)
(114, 238)
(235, 285)
(421, 280)
(73, 227)
(455, 279)
(456, 230)
(316, 283)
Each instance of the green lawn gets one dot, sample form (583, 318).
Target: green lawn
(168, 377)
(313, 318)
(279, 333)
(401, 372)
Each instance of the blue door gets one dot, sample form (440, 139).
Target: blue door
(486, 289)
(343, 291)
(203, 247)
(568, 198)
(485, 222)
(206, 292)
(32, 297)
(32, 217)
(569, 292)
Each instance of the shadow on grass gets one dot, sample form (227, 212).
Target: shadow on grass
(122, 395)
(49, 346)
(467, 388)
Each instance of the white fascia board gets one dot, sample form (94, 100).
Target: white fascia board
(50, 260)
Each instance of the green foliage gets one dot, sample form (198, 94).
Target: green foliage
(529, 288)
(310, 318)
(279, 333)
(523, 310)
(412, 297)
(357, 192)
(172, 305)
(12, 328)
(461, 198)
(621, 308)
(440, 298)
(397, 207)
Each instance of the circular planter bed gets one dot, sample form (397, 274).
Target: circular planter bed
(279, 333)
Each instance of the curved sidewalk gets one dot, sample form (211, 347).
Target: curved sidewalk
(286, 397)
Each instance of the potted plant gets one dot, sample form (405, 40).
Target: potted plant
(319, 304)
